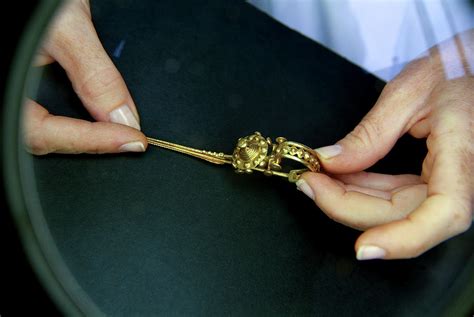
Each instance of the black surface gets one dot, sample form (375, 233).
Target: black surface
(162, 233)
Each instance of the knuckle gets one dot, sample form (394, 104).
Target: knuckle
(33, 131)
(36, 145)
(99, 83)
(461, 220)
(459, 214)
(365, 133)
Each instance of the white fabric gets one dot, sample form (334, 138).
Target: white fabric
(381, 36)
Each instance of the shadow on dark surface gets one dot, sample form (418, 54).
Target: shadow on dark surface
(162, 233)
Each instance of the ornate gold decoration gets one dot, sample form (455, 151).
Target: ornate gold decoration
(256, 153)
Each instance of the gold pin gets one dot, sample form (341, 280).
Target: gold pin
(256, 153)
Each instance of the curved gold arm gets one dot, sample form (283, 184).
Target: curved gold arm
(256, 153)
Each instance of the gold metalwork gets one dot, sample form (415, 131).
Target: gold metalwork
(256, 153)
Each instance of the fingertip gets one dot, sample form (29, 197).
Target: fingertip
(331, 158)
(398, 240)
(314, 184)
(134, 109)
(134, 146)
(129, 139)
(375, 236)
(369, 247)
(319, 182)
(323, 188)
(370, 252)
(125, 116)
(341, 158)
(328, 152)
(303, 186)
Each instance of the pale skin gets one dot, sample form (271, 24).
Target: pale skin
(73, 42)
(402, 216)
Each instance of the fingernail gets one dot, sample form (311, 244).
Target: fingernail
(370, 252)
(132, 147)
(304, 187)
(330, 151)
(124, 115)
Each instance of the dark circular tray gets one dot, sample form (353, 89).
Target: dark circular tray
(161, 233)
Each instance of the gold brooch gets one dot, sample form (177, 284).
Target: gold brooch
(256, 153)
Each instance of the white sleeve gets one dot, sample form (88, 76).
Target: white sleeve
(379, 36)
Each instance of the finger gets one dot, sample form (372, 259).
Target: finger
(42, 58)
(421, 129)
(369, 191)
(427, 167)
(377, 181)
(451, 142)
(448, 209)
(45, 133)
(356, 209)
(437, 219)
(365, 190)
(401, 104)
(74, 43)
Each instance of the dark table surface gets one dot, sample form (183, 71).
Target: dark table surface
(159, 232)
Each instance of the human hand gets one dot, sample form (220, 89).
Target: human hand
(73, 42)
(405, 215)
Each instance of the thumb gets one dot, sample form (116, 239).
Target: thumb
(74, 43)
(370, 141)
(45, 133)
(397, 108)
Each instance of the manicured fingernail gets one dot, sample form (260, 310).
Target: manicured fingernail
(124, 115)
(132, 147)
(330, 151)
(370, 252)
(304, 187)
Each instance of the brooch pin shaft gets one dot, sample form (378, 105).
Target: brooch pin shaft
(256, 153)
